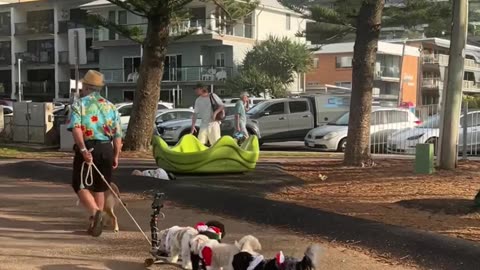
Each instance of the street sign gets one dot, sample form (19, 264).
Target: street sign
(77, 47)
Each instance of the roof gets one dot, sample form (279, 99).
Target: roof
(383, 48)
(445, 43)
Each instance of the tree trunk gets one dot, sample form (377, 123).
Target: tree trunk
(357, 152)
(147, 94)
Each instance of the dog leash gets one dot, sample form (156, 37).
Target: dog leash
(88, 181)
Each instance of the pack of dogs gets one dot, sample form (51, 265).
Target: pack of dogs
(201, 248)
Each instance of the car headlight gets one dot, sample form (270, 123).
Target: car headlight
(413, 138)
(172, 128)
(330, 135)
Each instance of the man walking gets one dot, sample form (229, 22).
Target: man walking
(95, 124)
(209, 108)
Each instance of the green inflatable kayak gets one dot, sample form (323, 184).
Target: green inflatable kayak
(191, 156)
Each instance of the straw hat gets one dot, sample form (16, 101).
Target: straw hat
(93, 78)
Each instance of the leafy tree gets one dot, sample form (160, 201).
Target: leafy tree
(271, 65)
(160, 16)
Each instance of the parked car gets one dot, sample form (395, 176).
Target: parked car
(125, 109)
(290, 119)
(252, 101)
(7, 110)
(172, 131)
(165, 116)
(429, 132)
(384, 122)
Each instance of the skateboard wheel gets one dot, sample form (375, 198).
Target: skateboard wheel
(149, 262)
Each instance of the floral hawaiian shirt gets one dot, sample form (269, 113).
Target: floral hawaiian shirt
(97, 117)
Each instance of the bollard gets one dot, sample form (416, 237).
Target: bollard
(424, 159)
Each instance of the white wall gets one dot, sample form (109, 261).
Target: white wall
(273, 22)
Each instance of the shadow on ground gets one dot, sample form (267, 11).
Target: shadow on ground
(241, 197)
(457, 207)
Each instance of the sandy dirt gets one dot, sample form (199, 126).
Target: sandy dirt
(391, 193)
(42, 228)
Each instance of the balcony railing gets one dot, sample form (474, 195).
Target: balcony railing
(93, 57)
(194, 27)
(432, 83)
(5, 30)
(442, 60)
(470, 86)
(38, 88)
(45, 57)
(183, 74)
(64, 26)
(34, 28)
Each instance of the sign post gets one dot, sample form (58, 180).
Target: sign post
(77, 53)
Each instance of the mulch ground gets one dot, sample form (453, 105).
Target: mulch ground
(391, 193)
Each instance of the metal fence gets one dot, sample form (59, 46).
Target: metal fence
(394, 133)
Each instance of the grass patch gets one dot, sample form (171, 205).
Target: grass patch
(285, 154)
(19, 152)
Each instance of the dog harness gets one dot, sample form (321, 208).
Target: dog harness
(255, 262)
(207, 255)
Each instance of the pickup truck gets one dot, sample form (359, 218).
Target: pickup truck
(290, 119)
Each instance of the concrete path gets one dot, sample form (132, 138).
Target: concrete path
(42, 228)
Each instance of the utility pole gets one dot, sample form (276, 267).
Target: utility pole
(453, 96)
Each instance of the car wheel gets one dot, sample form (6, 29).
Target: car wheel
(342, 145)
(434, 141)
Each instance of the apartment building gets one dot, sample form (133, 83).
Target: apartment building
(34, 34)
(211, 55)
(396, 71)
(34, 48)
(434, 65)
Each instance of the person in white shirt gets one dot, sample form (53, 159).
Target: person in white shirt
(210, 109)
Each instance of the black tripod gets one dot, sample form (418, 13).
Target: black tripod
(158, 255)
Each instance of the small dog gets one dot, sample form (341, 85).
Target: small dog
(218, 255)
(249, 261)
(110, 202)
(214, 230)
(176, 242)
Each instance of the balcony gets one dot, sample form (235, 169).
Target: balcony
(471, 86)
(93, 57)
(34, 28)
(45, 88)
(183, 74)
(194, 27)
(5, 30)
(442, 60)
(432, 83)
(42, 58)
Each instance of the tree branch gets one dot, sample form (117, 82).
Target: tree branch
(136, 7)
(135, 34)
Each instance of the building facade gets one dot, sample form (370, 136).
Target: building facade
(34, 34)
(396, 71)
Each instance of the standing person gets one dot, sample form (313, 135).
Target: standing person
(209, 108)
(95, 124)
(240, 114)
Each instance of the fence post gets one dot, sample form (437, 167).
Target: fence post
(465, 130)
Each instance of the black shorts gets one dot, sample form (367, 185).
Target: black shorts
(102, 158)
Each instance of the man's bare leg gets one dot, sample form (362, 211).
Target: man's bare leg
(99, 199)
(88, 201)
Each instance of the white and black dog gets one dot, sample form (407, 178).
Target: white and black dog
(253, 261)
(214, 230)
(217, 255)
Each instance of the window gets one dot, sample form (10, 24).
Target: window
(344, 61)
(122, 17)
(298, 106)
(344, 84)
(220, 59)
(131, 66)
(378, 118)
(125, 110)
(277, 108)
(184, 115)
(315, 62)
(289, 22)
(161, 107)
(6, 111)
(397, 117)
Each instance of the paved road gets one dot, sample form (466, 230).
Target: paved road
(41, 228)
